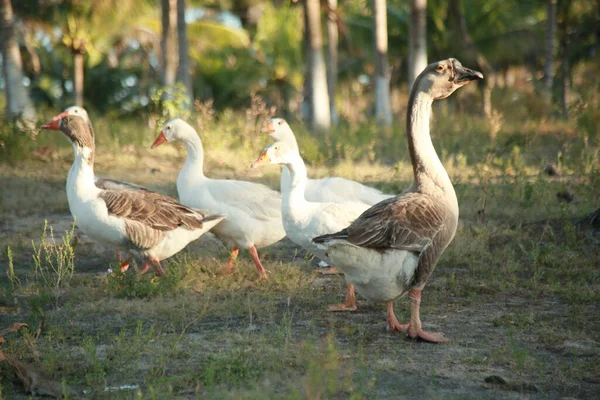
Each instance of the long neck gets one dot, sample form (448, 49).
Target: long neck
(80, 182)
(193, 169)
(293, 190)
(427, 167)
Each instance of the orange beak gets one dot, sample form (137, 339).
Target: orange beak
(160, 139)
(269, 128)
(261, 160)
(53, 126)
(59, 116)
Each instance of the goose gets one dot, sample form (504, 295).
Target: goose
(253, 210)
(150, 224)
(303, 219)
(328, 190)
(393, 247)
(102, 183)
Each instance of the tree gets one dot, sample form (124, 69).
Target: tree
(332, 56)
(417, 55)
(320, 115)
(168, 44)
(183, 73)
(18, 104)
(383, 110)
(549, 57)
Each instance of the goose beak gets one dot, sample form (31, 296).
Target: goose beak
(269, 128)
(160, 139)
(54, 125)
(464, 75)
(261, 160)
(59, 116)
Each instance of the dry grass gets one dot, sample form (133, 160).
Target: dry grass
(517, 290)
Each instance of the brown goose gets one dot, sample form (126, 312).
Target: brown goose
(150, 224)
(102, 183)
(394, 246)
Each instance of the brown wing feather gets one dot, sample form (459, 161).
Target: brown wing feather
(149, 215)
(409, 222)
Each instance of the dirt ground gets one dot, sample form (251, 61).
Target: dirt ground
(517, 296)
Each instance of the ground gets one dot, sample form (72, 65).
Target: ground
(517, 291)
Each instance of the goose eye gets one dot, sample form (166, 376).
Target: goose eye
(168, 128)
(440, 68)
(280, 122)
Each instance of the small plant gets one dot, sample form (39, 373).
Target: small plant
(53, 264)
(130, 285)
(15, 282)
(171, 102)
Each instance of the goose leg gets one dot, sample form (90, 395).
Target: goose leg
(392, 321)
(152, 262)
(349, 304)
(157, 267)
(262, 272)
(414, 329)
(124, 263)
(228, 269)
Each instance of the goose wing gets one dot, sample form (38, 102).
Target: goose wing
(148, 215)
(409, 222)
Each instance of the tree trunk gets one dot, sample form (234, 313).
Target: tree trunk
(321, 117)
(332, 57)
(18, 104)
(383, 110)
(183, 73)
(457, 18)
(78, 70)
(565, 71)
(306, 90)
(168, 43)
(549, 58)
(417, 52)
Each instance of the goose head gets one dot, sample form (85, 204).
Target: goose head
(76, 129)
(278, 129)
(174, 130)
(280, 152)
(74, 110)
(442, 78)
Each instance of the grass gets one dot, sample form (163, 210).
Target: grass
(517, 290)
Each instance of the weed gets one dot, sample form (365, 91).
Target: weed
(131, 285)
(53, 265)
(15, 282)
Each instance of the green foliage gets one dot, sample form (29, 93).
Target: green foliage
(133, 286)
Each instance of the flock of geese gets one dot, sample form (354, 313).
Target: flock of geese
(385, 245)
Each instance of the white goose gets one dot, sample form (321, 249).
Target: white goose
(253, 210)
(393, 248)
(329, 190)
(150, 224)
(102, 183)
(304, 219)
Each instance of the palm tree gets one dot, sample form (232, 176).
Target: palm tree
(320, 114)
(168, 44)
(183, 73)
(417, 56)
(383, 109)
(332, 56)
(549, 57)
(18, 104)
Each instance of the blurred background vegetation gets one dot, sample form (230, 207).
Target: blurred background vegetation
(229, 65)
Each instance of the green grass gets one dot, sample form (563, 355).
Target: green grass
(517, 290)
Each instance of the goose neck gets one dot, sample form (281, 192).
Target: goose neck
(293, 190)
(427, 167)
(80, 180)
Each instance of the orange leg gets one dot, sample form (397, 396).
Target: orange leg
(414, 329)
(349, 304)
(155, 263)
(262, 272)
(392, 321)
(228, 269)
(124, 263)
